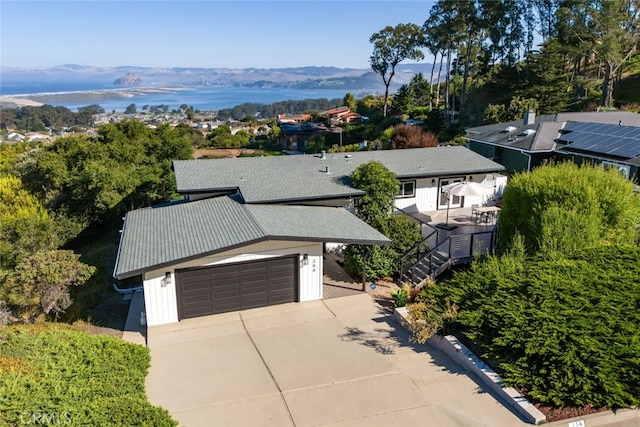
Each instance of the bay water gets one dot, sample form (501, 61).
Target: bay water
(203, 98)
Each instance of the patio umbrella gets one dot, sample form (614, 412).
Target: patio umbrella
(464, 188)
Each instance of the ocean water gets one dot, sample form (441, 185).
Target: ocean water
(200, 98)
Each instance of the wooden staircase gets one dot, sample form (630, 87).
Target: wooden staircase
(436, 253)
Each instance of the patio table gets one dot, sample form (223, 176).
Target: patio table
(486, 213)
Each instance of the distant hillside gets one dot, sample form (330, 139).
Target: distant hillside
(627, 90)
(293, 77)
(130, 79)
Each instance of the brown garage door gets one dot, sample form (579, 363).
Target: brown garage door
(232, 287)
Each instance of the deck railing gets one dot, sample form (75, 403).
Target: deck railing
(430, 257)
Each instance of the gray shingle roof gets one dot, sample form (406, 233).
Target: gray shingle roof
(304, 177)
(160, 236)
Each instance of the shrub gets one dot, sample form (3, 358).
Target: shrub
(564, 207)
(565, 329)
(380, 261)
(400, 297)
(376, 209)
(403, 232)
(81, 379)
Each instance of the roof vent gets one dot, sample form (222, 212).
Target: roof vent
(326, 170)
(527, 132)
(348, 156)
(509, 129)
(323, 154)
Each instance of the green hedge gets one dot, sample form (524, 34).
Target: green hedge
(563, 207)
(564, 330)
(54, 374)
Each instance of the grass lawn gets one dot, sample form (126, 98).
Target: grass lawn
(56, 374)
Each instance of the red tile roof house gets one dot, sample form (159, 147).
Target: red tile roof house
(252, 232)
(293, 118)
(342, 115)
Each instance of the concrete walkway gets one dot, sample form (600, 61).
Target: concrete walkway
(336, 283)
(338, 362)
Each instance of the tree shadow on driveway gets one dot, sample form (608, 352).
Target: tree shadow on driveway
(389, 337)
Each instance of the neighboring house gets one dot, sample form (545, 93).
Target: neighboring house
(523, 145)
(295, 135)
(252, 232)
(293, 118)
(38, 137)
(15, 137)
(342, 115)
(612, 146)
(201, 125)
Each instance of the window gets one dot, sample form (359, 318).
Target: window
(623, 169)
(407, 189)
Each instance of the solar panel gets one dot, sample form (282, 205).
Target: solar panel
(629, 132)
(571, 126)
(614, 140)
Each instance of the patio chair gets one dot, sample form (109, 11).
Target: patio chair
(475, 215)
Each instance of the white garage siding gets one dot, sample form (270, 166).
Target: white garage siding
(160, 298)
(161, 302)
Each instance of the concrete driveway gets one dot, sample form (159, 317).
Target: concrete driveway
(338, 362)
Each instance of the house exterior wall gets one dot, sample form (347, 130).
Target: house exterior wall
(512, 160)
(426, 197)
(628, 171)
(428, 192)
(486, 150)
(161, 301)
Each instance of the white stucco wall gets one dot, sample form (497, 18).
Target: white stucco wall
(161, 301)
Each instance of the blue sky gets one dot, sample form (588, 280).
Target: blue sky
(234, 34)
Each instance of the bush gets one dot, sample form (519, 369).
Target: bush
(79, 379)
(379, 264)
(564, 207)
(400, 297)
(383, 261)
(565, 330)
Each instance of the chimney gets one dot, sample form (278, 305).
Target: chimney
(529, 117)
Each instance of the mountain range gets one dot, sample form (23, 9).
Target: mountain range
(311, 77)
